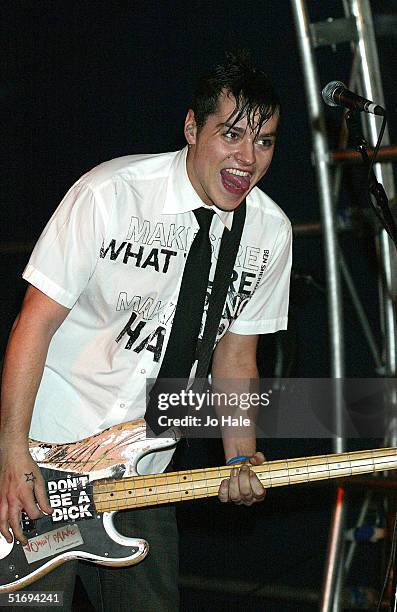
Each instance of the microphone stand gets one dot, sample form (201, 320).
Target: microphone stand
(380, 205)
(379, 201)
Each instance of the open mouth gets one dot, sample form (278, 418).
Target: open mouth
(235, 181)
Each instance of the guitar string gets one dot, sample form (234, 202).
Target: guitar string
(174, 495)
(144, 482)
(143, 488)
(313, 460)
(269, 467)
(142, 493)
(153, 491)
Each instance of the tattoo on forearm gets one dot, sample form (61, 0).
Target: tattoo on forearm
(30, 477)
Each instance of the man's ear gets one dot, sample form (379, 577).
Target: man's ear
(190, 130)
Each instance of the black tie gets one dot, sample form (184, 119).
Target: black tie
(182, 344)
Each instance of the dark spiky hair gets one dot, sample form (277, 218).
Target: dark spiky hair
(251, 88)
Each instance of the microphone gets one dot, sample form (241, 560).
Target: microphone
(337, 94)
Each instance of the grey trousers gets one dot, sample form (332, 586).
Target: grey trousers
(150, 585)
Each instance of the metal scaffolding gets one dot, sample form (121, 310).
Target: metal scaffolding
(356, 27)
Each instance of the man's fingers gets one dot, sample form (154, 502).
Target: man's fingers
(243, 483)
(258, 489)
(239, 485)
(5, 532)
(234, 492)
(31, 508)
(223, 493)
(22, 488)
(14, 518)
(28, 505)
(4, 526)
(243, 486)
(257, 459)
(42, 499)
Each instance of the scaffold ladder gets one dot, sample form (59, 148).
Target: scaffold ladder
(357, 28)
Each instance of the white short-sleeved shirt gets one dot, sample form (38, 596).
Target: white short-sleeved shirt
(114, 253)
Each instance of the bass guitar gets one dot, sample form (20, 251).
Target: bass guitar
(90, 480)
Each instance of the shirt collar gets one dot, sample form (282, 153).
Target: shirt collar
(181, 196)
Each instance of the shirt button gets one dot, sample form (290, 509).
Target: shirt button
(122, 405)
(143, 371)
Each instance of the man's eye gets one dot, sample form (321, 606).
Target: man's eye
(265, 142)
(230, 135)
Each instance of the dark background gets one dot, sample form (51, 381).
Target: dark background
(87, 81)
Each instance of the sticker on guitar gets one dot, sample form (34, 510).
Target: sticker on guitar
(71, 498)
(52, 542)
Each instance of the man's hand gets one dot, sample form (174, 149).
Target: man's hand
(22, 487)
(21, 483)
(243, 486)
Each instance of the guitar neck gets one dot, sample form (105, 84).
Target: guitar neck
(171, 487)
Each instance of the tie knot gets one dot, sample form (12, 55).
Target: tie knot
(204, 218)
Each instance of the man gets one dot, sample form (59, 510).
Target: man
(104, 280)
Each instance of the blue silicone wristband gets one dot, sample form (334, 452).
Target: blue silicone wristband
(237, 459)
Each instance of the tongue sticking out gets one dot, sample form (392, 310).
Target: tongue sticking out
(234, 183)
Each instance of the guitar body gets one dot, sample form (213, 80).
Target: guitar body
(90, 480)
(76, 530)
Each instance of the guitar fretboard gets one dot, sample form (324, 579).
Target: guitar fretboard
(171, 487)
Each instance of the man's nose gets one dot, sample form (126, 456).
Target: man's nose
(246, 152)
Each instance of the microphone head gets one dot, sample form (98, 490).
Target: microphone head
(329, 90)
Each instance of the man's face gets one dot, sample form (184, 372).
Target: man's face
(224, 163)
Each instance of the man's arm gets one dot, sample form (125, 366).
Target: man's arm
(235, 360)
(21, 483)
